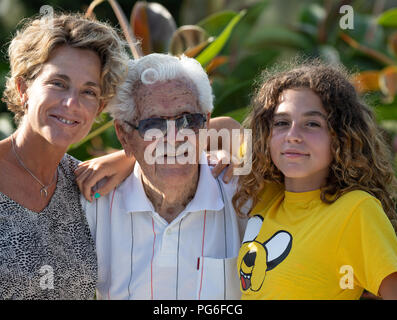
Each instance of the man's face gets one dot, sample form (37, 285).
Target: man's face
(166, 100)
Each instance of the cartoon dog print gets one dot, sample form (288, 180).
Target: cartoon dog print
(261, 255)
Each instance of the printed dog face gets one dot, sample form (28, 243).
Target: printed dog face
(260, 255)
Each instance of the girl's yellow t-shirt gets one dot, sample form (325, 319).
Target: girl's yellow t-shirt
(298, 247)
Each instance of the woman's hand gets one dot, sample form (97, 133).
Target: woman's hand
(100, 175)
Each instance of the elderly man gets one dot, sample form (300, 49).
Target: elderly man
(169, 231)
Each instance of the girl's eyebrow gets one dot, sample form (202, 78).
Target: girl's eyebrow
(315, 113)
(306, 114)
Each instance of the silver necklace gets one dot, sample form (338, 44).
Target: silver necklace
(44, 189)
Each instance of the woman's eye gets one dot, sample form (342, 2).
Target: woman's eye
(90, 92)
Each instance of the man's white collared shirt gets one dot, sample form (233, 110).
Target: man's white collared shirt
(142, 256)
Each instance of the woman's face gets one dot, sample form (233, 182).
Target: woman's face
(63, 100)
(300, 142)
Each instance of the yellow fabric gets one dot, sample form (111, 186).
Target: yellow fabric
(320, 246)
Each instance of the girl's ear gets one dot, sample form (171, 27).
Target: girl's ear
(278, 248)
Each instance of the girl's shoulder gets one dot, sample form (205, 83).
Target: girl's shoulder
(357, 198)
(360, 205)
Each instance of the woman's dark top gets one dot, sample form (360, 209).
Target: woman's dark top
(51, 254)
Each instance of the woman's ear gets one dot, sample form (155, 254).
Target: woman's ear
(102, 106)
(22, 88)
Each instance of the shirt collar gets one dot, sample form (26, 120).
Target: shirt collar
(207, 196)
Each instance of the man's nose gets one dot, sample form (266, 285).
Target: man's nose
(172, 132)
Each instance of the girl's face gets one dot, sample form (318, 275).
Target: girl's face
(300, 142)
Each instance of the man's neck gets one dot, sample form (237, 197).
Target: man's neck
(170, 202)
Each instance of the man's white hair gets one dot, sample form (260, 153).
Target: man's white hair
(160, 67)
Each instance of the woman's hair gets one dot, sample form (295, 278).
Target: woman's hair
(160, 67)
(361, 159)
(34, 42)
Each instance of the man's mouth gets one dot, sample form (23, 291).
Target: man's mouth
(176, 155)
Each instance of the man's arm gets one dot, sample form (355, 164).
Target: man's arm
(220, 123)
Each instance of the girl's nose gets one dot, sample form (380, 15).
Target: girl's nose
(293, 134)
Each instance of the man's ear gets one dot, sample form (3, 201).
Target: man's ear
(122, 135)
(208, 119)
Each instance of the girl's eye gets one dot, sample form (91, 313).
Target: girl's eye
(59, 84)
(280, 123)
(313, 124)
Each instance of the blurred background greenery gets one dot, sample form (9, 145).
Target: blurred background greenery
(235, 40)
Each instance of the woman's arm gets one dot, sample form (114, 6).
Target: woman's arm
(388, 287)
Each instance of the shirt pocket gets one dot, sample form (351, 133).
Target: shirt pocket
(217, 279)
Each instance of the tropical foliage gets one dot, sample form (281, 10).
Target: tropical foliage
(236, 39)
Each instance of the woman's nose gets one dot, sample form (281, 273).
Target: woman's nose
(71, 99)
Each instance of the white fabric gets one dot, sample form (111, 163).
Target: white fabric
(141, 256)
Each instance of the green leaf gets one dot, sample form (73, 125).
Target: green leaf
(251, 65)
(238, 114)
(312, 14)
(388, 18)
(92, 134)
(215, 23)
(215, 47)
(278, 35)
(234, 96)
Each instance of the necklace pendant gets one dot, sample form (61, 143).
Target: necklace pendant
(44, 191)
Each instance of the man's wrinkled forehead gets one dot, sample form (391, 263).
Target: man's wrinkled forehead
(169, 95)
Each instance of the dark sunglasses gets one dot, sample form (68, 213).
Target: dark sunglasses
(192, 121)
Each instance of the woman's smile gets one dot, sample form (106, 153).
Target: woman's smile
(65, 121)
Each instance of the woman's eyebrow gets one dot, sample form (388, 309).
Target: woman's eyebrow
(67, 78)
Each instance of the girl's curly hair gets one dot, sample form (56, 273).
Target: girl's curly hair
(361, 158)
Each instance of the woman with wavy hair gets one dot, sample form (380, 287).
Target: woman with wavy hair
(321, 192)
(63, 71)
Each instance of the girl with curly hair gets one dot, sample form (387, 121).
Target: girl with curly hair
(321, 192)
